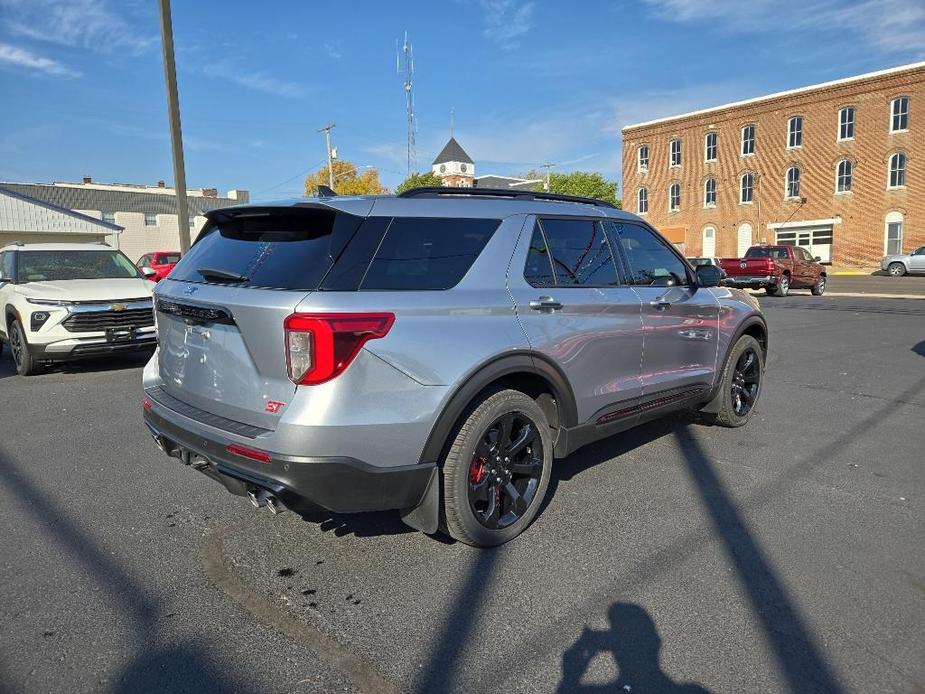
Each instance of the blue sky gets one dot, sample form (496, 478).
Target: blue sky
(530, 80)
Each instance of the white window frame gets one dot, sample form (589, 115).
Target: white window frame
(794, 182)
(889, 171)
(752, 140)
(893, 218)
(152, 218)
(707, 191)
(895, 113)
(640, 166)
(791, 132)
(751, 188)
(707, 146)
(849, 176)
(108, 217)
(642, 195)
(672, 153)
(671, 189)
(844, 123)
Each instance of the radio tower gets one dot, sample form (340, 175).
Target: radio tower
(404, 65)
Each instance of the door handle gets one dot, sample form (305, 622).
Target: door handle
(660, 305)
(545, 303)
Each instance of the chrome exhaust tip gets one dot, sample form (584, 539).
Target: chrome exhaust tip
(274, 505)
(258, 498)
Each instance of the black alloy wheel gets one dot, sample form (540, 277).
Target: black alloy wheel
(505, 471)
(17, 345)
(746, 381)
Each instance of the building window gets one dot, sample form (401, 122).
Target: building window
(150, 219)
(642, 160)
(843, 176)
(795, 132)
(709, 193)
(675, 148)
(746, 188)
(793, 183)
(109, 217)
(192, 221)
(709, 147)
(674, 197)
(893, 234)
(642, 201)
(900, 112)
(846, 123)
(898, 170)
(748, 140)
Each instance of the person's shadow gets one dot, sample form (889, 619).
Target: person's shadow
(634, 643)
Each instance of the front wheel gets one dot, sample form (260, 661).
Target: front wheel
(819, 288)
(497, 470)
(896, 269)
(740, 383)
(25, 364)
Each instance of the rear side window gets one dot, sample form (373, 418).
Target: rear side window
(275, 249)
(426, 253)
(579, 251)
(538, 270)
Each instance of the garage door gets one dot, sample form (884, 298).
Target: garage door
(816, 240)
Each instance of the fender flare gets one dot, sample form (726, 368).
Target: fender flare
(712, 404)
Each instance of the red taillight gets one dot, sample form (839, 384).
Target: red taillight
(319, 346)
(245, 452)
(146, 404)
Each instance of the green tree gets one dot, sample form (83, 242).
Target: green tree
(587, 184)
(348, 180)
(420, 180)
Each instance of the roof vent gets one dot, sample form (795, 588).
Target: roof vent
(87, 179)
(161, 184)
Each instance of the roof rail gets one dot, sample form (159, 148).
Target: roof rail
(440, 191)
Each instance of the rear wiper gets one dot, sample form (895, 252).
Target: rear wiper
(219, 275)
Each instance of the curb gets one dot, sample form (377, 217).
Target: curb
(852, 273)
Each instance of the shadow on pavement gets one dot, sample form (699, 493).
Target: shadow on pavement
(919, 348)
(156, 666)
(634, 644)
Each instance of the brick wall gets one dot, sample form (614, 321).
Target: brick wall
(858, 240)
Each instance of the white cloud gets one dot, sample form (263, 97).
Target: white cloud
(889, 26)
(506, 21)
(21, 58)
(87, 23)
(334, 49)
(260, 81)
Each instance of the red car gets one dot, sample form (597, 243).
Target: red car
(161, 262)
(777, 269)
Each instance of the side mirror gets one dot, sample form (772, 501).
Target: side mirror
(818, 258)
(148, 273)
(709, 276)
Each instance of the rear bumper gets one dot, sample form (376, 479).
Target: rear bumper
(750, 281)
(337, 484)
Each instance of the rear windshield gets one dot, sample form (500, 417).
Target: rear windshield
(54, 266)
(766, 252)
(288, 249)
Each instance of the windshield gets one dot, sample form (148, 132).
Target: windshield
(166, 258)
(51, 266)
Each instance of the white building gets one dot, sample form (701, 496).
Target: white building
(29, 220)
(147, 214)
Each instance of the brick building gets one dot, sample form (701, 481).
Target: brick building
(838, 168)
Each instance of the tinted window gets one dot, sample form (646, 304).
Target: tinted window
(580, 253)
(651, 261)
(282, 249)
(538, 270)
(766, 252)
(427, 253)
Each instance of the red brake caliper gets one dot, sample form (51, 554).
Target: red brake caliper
(477, 470)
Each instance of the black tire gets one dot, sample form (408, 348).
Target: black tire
(483, 509)
(783, 286)
(19, 346)
(896, 269)
(729, 413)
(819, 288)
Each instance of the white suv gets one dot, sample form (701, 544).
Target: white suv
(65, 301)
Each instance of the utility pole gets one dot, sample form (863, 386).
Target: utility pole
(176, 135)
(327, 141)
(546, 182)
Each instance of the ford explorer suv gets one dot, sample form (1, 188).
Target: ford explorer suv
(776, 269)
(65, 301)
(434, 352)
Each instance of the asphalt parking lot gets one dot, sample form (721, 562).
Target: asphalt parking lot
(784, 556)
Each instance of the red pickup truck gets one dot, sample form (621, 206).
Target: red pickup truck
(777, 269)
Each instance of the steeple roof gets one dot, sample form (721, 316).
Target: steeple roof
(452, 152)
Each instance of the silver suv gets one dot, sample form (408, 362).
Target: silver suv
(435, 351)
